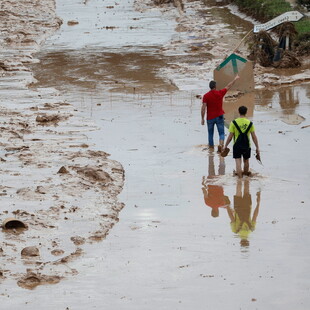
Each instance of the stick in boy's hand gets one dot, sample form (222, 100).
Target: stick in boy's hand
(257, 156)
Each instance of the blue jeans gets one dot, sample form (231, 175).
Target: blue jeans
(219, 122)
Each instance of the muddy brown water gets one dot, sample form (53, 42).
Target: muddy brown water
(168, 251)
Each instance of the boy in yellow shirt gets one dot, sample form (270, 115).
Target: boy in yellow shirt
(242, 147)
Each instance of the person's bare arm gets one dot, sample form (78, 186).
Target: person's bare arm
(228, 139)
(255, 140)
(230, 214)
(255, 214)
(230, 84)
(203, 113)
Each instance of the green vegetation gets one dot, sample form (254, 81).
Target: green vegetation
(264, 10)
(303, 28)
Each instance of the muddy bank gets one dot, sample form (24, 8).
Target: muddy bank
(203, 43)
(63, 189)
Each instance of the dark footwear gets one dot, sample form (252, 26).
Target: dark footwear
(249, 173)
(236, 174)
(219, 149)
(225, 152)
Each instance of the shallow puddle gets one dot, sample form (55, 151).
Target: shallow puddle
(92, 71)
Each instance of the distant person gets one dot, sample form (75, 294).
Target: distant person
(213, 102)
(241, 221)
(240, 129)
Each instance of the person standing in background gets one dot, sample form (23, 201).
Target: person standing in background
(212, 110)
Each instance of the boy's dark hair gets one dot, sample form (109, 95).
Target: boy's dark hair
(242, 110)
(212, 84)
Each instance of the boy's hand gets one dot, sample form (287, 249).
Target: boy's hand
(225, 152)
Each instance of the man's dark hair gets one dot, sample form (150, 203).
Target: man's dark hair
(212, 84)
(242, 110)
(215, 212)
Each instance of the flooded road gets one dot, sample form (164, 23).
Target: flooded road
(176, 245)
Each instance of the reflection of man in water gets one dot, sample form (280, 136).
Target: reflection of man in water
(241, 221)
(214, 197)
(214, 194)
(211, 167)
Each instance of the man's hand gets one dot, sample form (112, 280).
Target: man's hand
(202, 122)
(229, 85)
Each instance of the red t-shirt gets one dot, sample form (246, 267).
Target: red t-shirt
(214, 101)
(215, 197)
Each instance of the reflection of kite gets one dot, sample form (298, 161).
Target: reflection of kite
(232, 65)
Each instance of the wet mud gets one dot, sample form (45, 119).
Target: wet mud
(54, 185)
(189, 227)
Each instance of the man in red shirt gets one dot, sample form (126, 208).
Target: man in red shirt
(213, 101)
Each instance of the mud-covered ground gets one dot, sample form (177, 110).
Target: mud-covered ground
(130, 86)
(63, 189)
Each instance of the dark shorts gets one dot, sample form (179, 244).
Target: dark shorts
(237, 153)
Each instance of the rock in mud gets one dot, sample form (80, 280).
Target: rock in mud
(57, 252)
(31, 280)
(63, 170)
(48, 118)
(95, 174)
(30, 251)
(41, 190)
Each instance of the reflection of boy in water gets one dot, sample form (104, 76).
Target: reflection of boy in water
(241, 221)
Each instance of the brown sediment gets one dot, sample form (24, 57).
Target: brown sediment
(57, 252)
(54, 118)
(77, 240)
(32, 279)
(65, 185)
